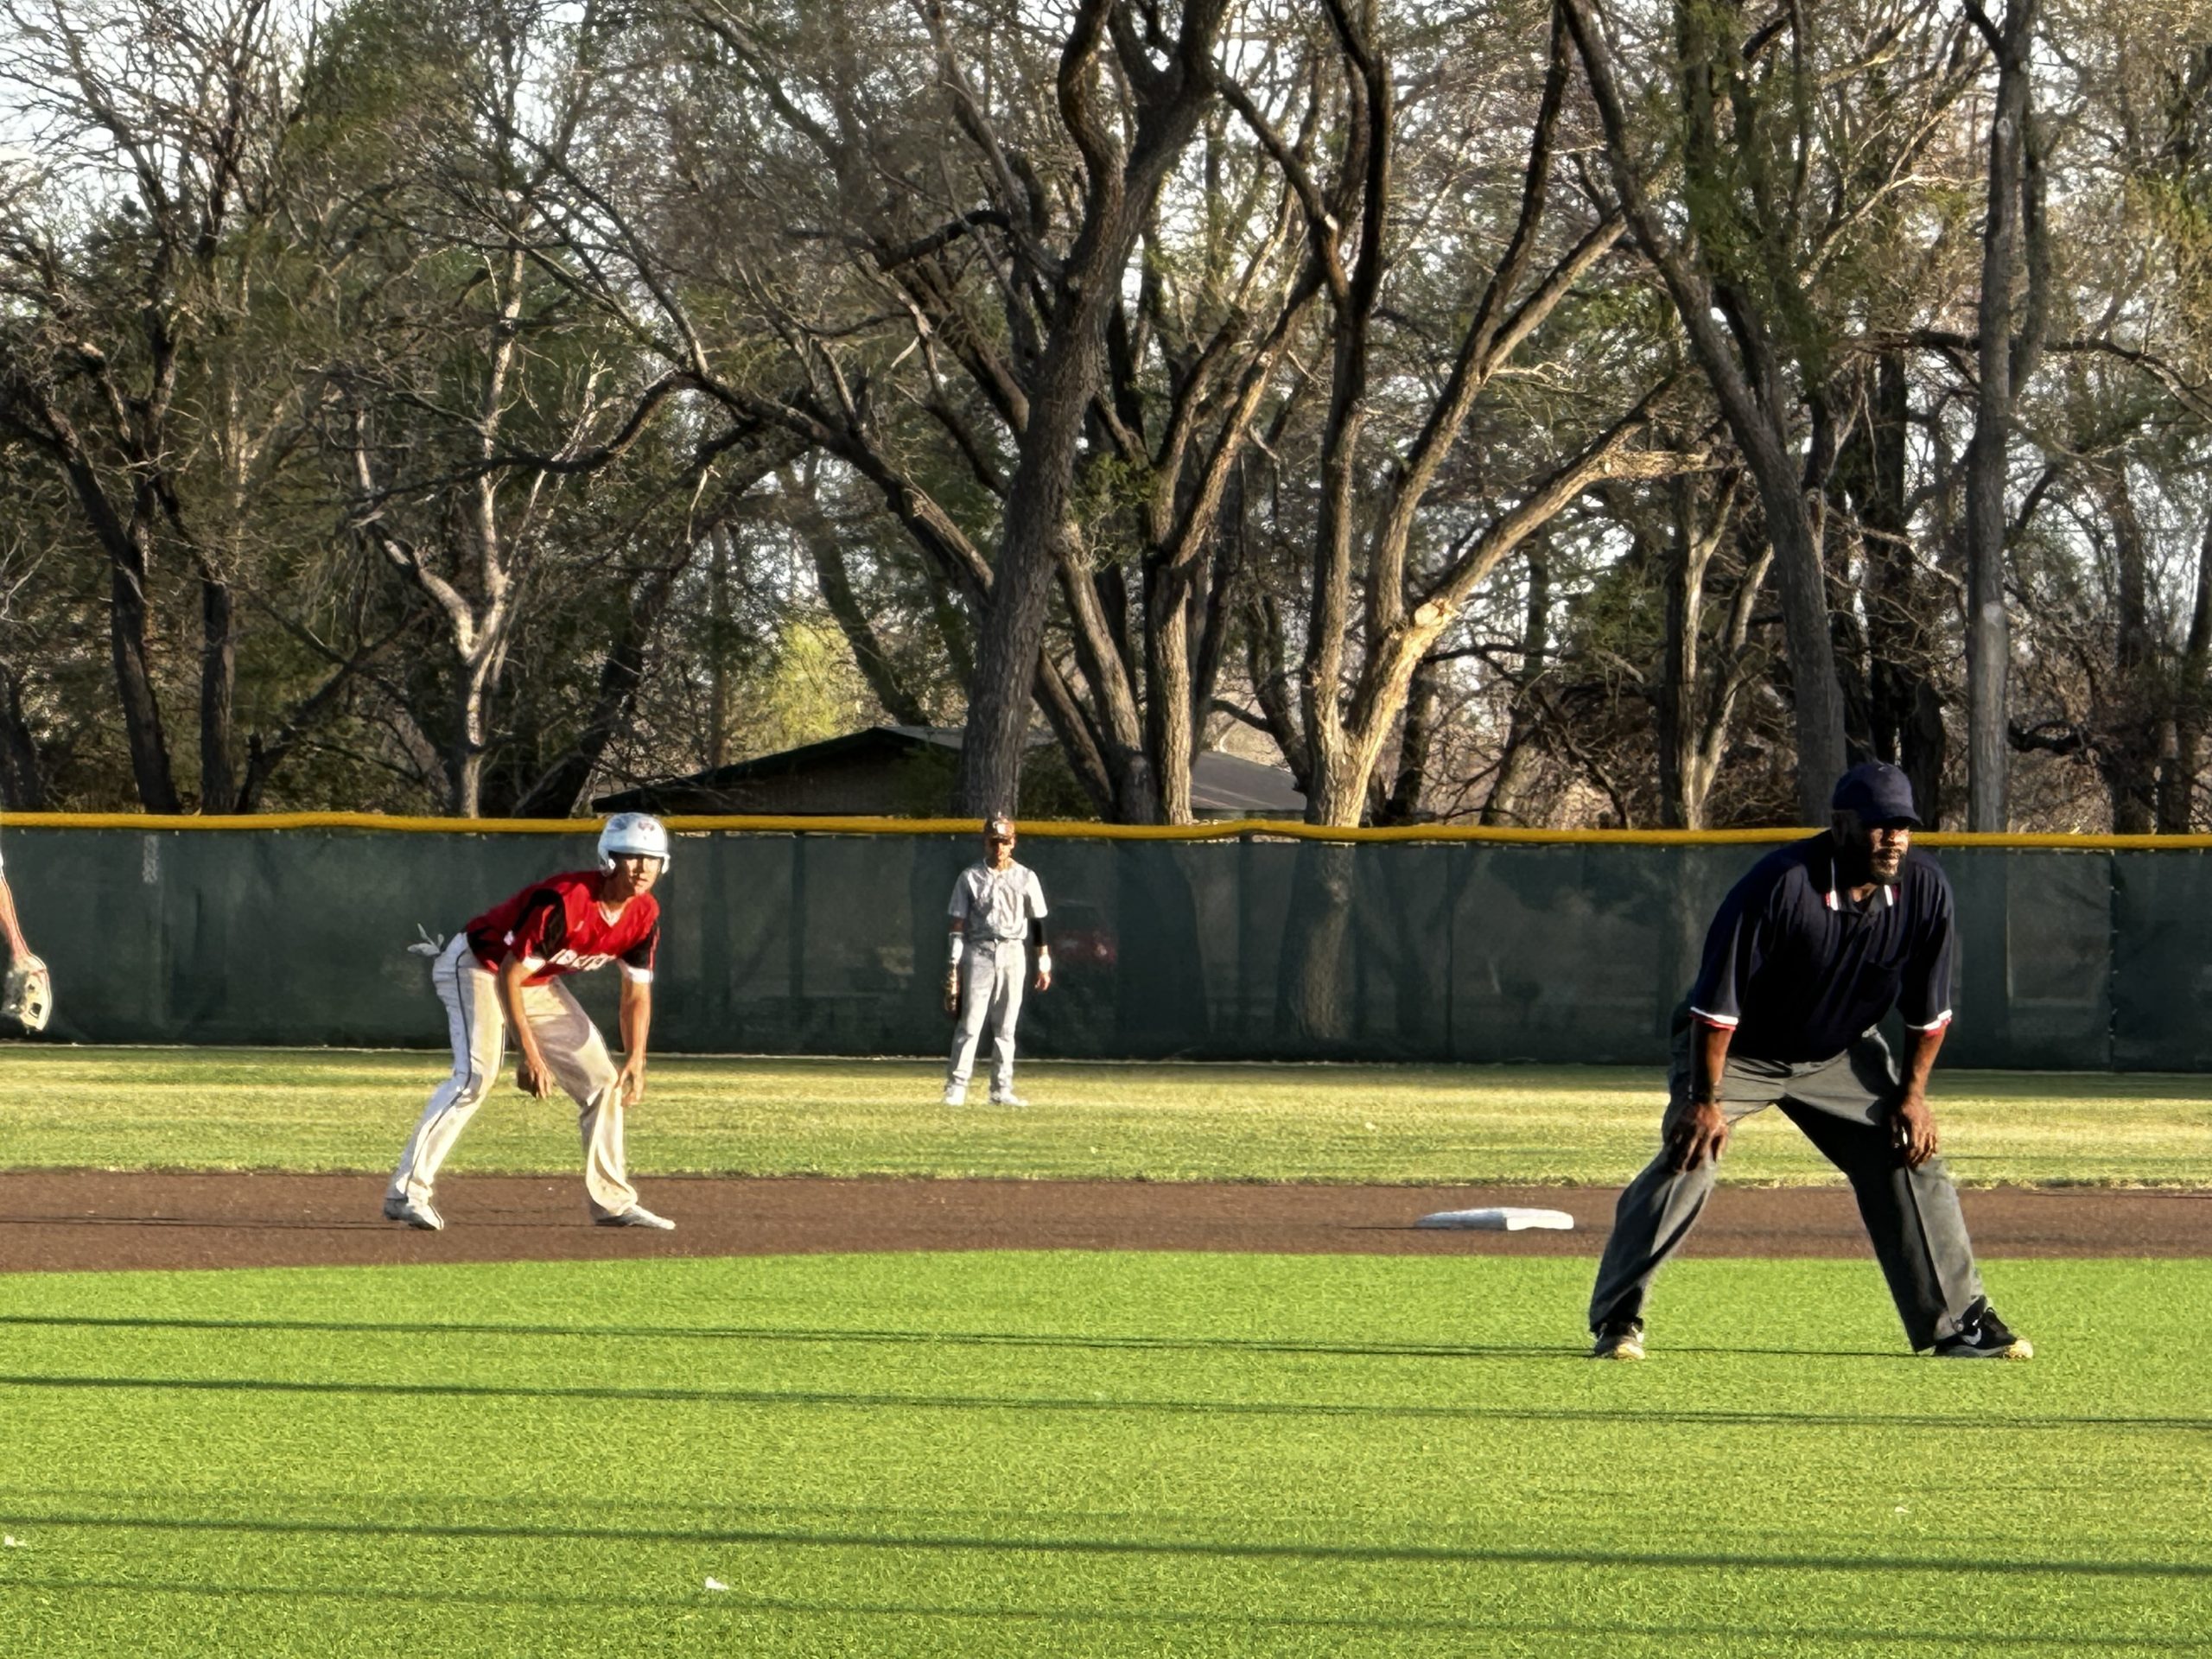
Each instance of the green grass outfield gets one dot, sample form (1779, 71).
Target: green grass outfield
(244, 1108)
(1103, 1454)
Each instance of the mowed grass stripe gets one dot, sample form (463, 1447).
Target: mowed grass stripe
(211, 1108)
(1248, 1455)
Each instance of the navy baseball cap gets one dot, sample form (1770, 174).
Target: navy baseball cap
(1878, 792)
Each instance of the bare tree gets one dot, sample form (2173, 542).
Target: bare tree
(1735, 264)
(136, 360)
(2011, 330)
(1357, 671)
(463, 402)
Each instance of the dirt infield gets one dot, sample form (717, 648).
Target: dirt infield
(81, 1220)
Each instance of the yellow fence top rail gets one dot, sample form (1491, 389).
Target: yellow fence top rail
(1230, 829)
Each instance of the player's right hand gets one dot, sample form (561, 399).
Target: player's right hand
(952, 990)
(1699, 1134)
(535, 1081)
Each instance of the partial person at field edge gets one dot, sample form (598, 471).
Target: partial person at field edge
(997, 912)
(1810, 948)
(24, 965)
(501, 975)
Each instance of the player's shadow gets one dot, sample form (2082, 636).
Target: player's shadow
(1098, 1343)
(1140, 1343)
(224, 1224)
(1063, 1616)
(1707, 1417)
(1211, 1548)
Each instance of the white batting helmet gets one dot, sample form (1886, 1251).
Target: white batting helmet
(633, 832)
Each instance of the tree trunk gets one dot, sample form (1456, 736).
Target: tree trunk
(1097, 618)
(471, 734)
(721, 708)
(1030, 556)
(558, 793)
(835, 584)
(1989, 634)
(1800, 576)
(2129, 725)
(1170, 725)
(2193, 697)
(1037, 539)
(1750, 392)
(1416, 743)
(127, 625)
(1905, 629)
(23, 784)
(218, 671)
(1310, 1010)
(128, 548)
(1516, 762)
(1675, 705)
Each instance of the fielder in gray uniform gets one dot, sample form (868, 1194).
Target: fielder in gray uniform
(998, 907)
(1817, 943)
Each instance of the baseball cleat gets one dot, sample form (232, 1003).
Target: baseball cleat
(955, 1095)
(1009, 1098)
(1982, 1335)
(637, 1216)
(1618, 1339)
(415, 1213)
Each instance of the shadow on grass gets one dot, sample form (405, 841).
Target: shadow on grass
(841, 1400)
(1211, 1549)
(915, 1338)
(737, 1603)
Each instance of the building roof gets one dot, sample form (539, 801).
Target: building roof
(1221, 786)
(1229, 786)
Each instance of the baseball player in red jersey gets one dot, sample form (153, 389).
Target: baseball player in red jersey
(502, 974)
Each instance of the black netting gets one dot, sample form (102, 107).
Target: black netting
(2159, 986)
(1253, 949)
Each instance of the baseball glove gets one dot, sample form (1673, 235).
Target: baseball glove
(27, 997)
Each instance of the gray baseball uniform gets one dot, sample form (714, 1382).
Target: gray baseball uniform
(995, 908)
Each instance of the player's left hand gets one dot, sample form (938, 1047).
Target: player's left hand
(1912, 1129)
(630, 1084)
(1700, 1132)
(1044, 979)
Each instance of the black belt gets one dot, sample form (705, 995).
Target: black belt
(980, 944)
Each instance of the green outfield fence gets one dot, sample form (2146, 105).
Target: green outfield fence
(1244, 941)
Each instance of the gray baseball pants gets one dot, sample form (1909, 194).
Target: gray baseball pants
(991, 975)
(1842, 1104)
(574, 1051)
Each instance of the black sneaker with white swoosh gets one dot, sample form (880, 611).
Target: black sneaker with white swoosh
(1982, 1335)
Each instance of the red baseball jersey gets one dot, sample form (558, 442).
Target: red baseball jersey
(556, 927)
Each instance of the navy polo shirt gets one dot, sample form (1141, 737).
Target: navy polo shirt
(1800, 971)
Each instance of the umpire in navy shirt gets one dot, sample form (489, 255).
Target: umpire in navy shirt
(1819, 941)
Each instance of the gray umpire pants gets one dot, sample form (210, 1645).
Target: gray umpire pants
(1842, 1104)
(991, 974)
